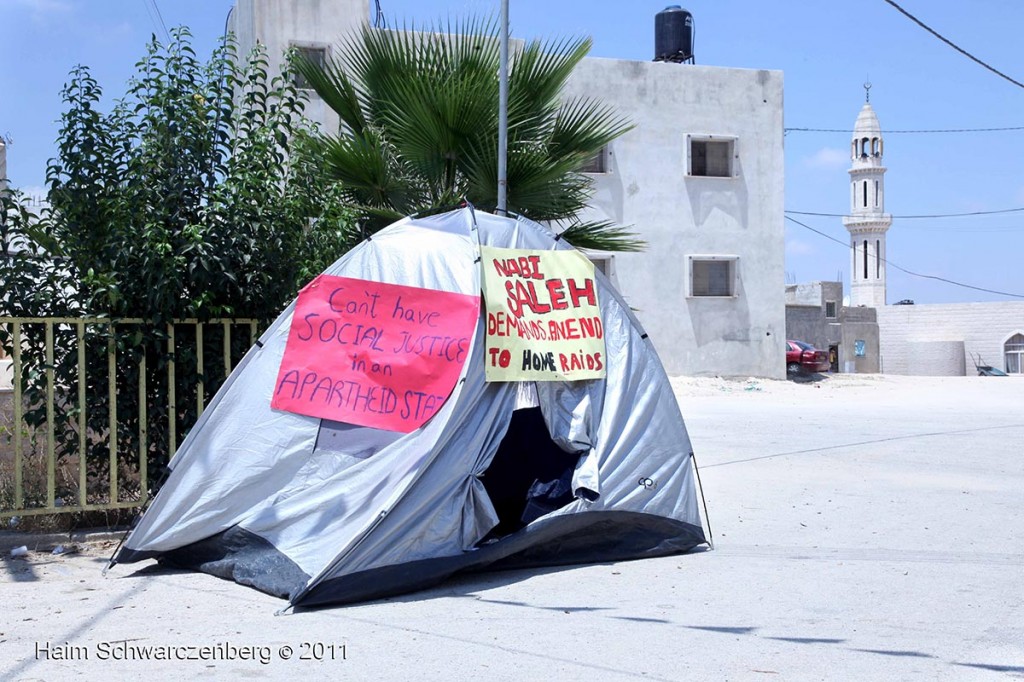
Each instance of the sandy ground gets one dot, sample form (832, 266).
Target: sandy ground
(866, 528)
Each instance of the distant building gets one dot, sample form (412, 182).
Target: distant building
(700, 178)
(816, 315)
(946, 339)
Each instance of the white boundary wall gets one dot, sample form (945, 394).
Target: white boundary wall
(982, 327)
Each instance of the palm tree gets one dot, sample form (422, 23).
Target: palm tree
(419, 134)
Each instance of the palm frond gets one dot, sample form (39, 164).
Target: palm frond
(584, 126)
(422, 126)
(334, 86)
(537, 79)
(602, 236)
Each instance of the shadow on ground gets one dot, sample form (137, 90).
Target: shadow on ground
(807, 377)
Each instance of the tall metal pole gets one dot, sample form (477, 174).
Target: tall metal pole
(503, 114)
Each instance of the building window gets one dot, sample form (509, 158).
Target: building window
(878, 259)
(315, 54)
(830, 310)
(1014, 350)
(865, 259)
(713, 276)
(865, 193)
(598, 163)
(876, 193)
(602, 263)
(711, 156)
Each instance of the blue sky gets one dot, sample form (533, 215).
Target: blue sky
(825, 49)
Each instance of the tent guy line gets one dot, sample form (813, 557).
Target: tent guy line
(826, 448)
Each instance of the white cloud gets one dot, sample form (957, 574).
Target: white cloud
(828, 157)
(40, 12)
(798, 247)
(40, 6)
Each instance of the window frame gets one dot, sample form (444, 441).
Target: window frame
(601, 159)
(297, 79)
(603, 262)
(1018, 353)
(733, 275)
(732, 154)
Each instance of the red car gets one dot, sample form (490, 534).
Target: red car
(803, 357)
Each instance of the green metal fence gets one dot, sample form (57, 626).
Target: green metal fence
(68, 407)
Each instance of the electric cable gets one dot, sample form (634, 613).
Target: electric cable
(911, 217)
(160, 17)
(907, 132)
(909, 272)
(953, 45)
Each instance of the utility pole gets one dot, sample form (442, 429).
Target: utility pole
(503, 114)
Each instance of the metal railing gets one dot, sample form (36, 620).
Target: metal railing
(80, 333)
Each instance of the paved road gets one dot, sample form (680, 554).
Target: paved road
(865, 529)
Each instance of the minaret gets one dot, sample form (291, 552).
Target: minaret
(868, 222)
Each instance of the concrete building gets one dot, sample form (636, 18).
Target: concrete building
(815, 314)
(933, 339)
(312, 26)
(700, 178)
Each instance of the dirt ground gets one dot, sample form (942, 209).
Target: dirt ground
(865, 527)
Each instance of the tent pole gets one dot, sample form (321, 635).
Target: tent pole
(711, 535)
(503, 115)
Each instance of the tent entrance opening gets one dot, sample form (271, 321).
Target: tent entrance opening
(530, 474)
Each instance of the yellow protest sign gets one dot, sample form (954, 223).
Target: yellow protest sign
(543, 318)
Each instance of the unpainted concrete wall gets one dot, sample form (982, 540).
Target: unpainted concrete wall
(860, 324)
(279, 24)
(936, 358)
(647, 188)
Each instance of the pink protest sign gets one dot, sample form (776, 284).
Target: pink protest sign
(374, 354)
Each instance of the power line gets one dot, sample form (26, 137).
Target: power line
(906, 132)
(952, 45)
(156, 17)
(910, 217)
(962, 229)
(909, 272)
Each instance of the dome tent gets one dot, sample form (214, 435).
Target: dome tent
(321, 512)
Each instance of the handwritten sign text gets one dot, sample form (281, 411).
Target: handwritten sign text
(374, 354)
(543, 319)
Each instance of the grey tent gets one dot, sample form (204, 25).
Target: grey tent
(323, 512)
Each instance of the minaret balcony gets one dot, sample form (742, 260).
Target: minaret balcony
(869, 166)
(868, 222)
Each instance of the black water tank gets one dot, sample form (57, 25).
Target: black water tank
(673, 35)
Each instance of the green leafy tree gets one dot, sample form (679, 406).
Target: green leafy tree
(420, 127)
(194, 197)
(183, 201)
